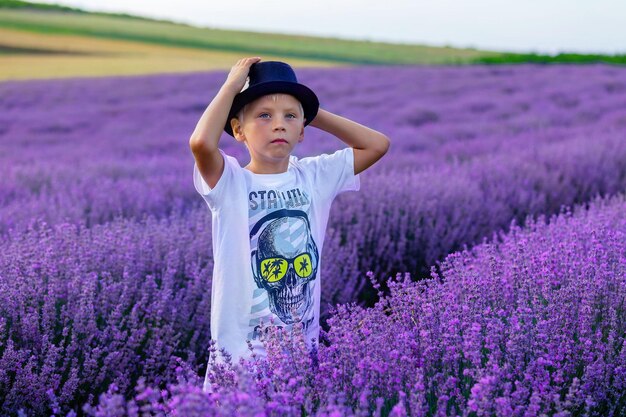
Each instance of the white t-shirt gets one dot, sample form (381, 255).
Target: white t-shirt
(268, 233)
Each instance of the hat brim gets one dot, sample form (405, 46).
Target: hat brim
(310, 102)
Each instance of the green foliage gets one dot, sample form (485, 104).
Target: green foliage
(17, 4)
(27, 5)
(561, 58)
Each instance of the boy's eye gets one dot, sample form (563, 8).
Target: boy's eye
(291, 115)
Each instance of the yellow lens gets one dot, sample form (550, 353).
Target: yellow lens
(303, 265)
(273, 269)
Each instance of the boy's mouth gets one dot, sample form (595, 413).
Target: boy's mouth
(279, 141)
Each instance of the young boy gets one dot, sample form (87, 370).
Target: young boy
(269, 218)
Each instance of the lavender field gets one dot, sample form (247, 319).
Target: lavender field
(456, 282)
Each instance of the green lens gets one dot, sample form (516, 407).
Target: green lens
(303, 265)
(273, 269)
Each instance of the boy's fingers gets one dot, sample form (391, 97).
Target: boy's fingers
(246, 62)
(251, 59)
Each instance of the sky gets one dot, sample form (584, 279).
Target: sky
(542, 26)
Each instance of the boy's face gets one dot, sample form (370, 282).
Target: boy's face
(272, 127)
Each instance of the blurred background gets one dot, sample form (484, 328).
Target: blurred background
(97, 38)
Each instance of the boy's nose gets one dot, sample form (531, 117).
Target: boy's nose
(278, 124)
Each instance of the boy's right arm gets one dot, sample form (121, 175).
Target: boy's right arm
(205, 137)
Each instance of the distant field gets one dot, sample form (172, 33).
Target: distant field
(28, 55)
(51, 44)
(50, 41)
(165, 33)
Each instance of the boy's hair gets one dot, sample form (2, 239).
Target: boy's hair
(274, 98)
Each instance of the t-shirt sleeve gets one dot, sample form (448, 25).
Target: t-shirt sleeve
(334, 173)
(216, 195)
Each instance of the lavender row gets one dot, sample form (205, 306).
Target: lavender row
(409, 221)
(130, 252)
(91, 150)
(88, 151)
(429, 210)
(412, 219)
(83, 308)
(424, 107)
(133, 165)
(531, 324)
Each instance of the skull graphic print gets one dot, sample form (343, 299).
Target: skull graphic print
(285, 262)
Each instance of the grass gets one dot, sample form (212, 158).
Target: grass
(49, 41)
(29, 55)
(110, 26)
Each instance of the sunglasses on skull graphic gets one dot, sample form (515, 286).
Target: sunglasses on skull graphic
(285, 261)
(275, 268)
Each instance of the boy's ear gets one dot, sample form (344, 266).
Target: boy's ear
(301, 138)
(237, 131)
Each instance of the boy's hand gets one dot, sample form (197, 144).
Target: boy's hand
(368, 144)
(205, 137)
(239, 73)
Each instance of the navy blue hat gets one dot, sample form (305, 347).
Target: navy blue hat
(270, 77)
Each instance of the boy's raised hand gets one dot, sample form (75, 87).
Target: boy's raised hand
(205, 137)
(239, 73)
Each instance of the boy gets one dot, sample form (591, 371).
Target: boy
(269, 218)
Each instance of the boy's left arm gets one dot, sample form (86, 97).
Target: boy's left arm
(368, 144)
